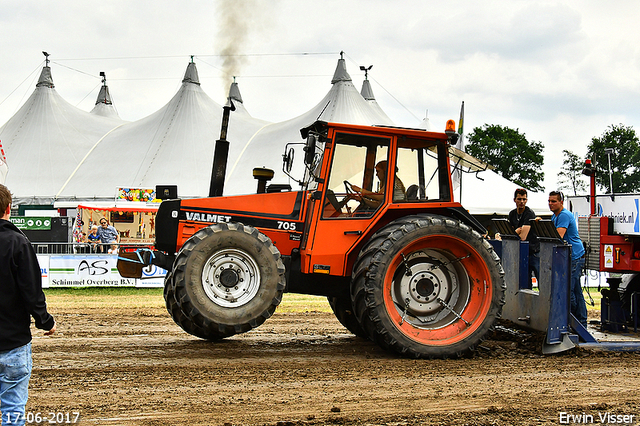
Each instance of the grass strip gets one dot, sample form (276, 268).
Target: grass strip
(131, 298)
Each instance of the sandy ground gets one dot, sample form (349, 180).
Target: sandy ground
(115, 367)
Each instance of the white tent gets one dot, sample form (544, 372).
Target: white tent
(82, 156)
(46, 139)
(174, 146)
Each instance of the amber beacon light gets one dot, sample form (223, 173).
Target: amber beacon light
(450, 127)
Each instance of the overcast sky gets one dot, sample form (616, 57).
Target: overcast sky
(559, 71)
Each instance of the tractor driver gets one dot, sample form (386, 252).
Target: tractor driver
(374, 199)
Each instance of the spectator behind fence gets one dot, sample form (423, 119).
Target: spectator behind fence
(108, 235)
(22, 298)
(93, 238)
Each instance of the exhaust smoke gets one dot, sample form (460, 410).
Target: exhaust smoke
(236, 20)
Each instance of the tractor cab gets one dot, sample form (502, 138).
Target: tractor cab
(352, 165)
(360, 178)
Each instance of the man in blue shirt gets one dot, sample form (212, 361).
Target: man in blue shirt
(108, 235)
(568, 230)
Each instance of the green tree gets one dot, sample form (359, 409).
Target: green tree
(570, 176)
(509, 151)
(625, 155)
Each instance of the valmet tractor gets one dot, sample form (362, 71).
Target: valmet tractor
(401, 263)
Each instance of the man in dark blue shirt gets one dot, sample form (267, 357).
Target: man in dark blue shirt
(519, 219)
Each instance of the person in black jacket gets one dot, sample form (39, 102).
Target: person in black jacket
(519, 219)
(21, 297)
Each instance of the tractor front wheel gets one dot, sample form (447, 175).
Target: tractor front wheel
(428, 286)
(227, 279)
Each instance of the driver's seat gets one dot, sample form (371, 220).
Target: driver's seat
(412, 193)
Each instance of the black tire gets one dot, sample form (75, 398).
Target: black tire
(169, 293)
(625, 297)
(227, 279)
(343, 311)
(176, 313)
(427, 286)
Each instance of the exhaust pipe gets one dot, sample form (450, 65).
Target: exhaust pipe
(220, 154)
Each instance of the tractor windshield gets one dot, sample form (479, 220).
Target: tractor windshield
(357, 183)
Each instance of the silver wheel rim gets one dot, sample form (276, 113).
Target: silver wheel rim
(434, 277)
(231, 278)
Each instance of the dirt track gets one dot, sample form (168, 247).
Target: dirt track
(119, 368)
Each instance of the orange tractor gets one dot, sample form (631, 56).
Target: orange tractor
(374, 228)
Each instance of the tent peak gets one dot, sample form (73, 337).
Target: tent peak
(366, 91)
(191, 74)
(103, 96)
(425, 123)
(341, 73)
(45, 79)
(234, 92)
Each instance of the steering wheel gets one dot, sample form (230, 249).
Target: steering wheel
(352, 193)
(348, 187)
(357, 195)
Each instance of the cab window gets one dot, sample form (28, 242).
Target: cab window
(421, 171)
(356, 186)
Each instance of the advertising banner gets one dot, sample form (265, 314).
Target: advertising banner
(623, 209)
(29, 223)
(152, 276)
(97, 271)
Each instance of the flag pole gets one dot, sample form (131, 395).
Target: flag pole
(461, 142)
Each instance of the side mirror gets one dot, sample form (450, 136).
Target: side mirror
(288, 160)
(310, 149)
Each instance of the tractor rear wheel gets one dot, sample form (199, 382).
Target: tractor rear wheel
(343, 311)
(428, 286)
(227, 279)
